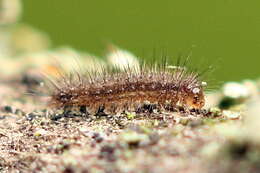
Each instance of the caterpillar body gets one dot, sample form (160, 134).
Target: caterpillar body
(116, 90)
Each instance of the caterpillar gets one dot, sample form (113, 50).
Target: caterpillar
(115, 90)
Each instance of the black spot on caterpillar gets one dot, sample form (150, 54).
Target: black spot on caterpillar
(115, 90)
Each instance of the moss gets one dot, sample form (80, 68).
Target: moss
(130, 116)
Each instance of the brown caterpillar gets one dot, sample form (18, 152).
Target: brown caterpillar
(117, 90)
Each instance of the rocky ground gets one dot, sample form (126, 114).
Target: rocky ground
(221, 138)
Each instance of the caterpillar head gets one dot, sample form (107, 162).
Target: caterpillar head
(194, 96)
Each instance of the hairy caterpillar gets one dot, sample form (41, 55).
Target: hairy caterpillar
(115, 90)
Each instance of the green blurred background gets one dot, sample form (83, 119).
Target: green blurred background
(225, 33)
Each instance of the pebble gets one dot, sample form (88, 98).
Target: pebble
(231, 115)
(40, 132)
(235, 90)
